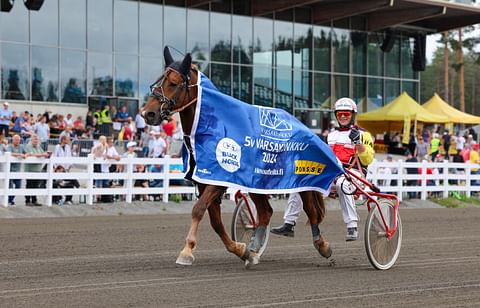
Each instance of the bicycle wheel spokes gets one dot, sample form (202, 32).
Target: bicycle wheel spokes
(381, 250)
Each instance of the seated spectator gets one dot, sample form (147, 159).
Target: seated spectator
(157, 182)
(63, 184)
(68, 131)
(78, 125)
(140, 168)
(68, 120)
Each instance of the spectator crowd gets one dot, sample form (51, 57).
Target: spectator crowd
(113, 134)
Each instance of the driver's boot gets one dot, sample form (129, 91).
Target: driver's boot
(286, 230)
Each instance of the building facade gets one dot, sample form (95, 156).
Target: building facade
(80, 54)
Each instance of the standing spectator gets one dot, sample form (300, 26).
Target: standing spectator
(33, 149)
(98, 152)
(421, 149)
(16, 150)
(459, 142)
(156, 182)
(89, 120)
(110, 154)
(145, 138)
(106, 127)
(126, 133)
(63, 149)
(19, 124)
(411, 159)
(5, 118)
(140, 168)
(434, 145)
(13, 119)
(446, 142)
(68, 120)
(139, 124)
(169, 127)
(159, 145)
(475, 159)
(122, 115)
(43, 132)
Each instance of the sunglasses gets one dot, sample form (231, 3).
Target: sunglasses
(345, 114)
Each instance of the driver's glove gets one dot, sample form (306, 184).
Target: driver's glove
(354, 135)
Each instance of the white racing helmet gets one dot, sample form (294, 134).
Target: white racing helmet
(346, 104)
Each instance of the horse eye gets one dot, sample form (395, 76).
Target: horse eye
(173, 85)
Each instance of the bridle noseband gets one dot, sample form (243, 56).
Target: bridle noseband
(167, 105)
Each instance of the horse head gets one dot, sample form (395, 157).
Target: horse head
(172, 92)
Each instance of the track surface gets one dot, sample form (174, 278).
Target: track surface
(129, 261)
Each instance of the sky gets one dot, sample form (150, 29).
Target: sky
(432, 44)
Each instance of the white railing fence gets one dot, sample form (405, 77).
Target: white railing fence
(446, 177)
(83, 171)
(388, 176)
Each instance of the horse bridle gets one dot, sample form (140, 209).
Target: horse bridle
(167, 105)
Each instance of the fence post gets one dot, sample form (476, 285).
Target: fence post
(400, 180)
(6, 183)
(166, 178)
(90, 179)
(129, 179)
(423, 181)
(468, 186)
(49, 182)
(445, 179)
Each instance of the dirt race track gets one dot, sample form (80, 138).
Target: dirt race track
(129, 261)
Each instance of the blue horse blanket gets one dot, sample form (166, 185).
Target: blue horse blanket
(256, 149)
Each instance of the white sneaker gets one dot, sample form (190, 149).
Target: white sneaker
(352, 234)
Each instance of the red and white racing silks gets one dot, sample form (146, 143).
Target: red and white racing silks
(344, 148)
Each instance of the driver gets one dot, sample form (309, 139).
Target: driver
(346, 141)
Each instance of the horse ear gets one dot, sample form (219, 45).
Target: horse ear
(186, 64)
(167, 56)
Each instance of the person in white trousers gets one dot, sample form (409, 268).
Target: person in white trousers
(346, 141)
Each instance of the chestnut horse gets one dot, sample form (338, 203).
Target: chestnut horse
(176, 91)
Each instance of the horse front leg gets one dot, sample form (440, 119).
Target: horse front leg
(264, 212)
(238, 249)
(207, 195)
(314, 207)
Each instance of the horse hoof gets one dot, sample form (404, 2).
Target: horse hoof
(185, 260)
(246, 253)
(323, 247)
(253, 260)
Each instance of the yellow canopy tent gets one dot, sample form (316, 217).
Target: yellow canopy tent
(438, 106)
(391, 116)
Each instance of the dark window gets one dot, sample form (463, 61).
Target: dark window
(220, 39)
(126, 72)
(220, 76)
(375, 55)
(392, 60)
(262, 41)
(242, 83)
(359, 95)
(73, 22)
(359, 52)
(340, 87)
(242, 39)
(406, 53)
(375, 92)
(262, 82)
(15, 78)
(302, 88)
(150, 70)
(283, 88)
(99, 81)
(303, 46)
(14, 24)
(73, 76)
(321, 48)
(321, 94)
(151, 27)
(197, 35)
(175, 27)
(126, 26)
(44, 74)
(100, 25)
(340, 46)
(44, 24)
(392, 90)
